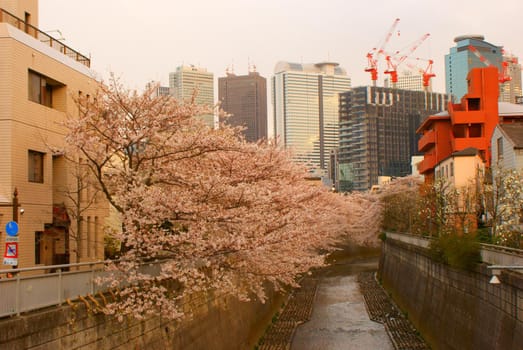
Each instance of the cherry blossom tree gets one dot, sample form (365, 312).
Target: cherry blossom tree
(216, 213)
(504, 203)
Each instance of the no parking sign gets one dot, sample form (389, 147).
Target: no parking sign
(11, 245)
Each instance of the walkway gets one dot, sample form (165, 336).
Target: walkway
(343, 308)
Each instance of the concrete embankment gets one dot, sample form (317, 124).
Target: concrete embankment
(453, 309)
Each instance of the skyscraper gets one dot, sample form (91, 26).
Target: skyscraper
(378, 133)
(190, 79)
(244, 97)
(511, 90)
(409, 80)
(462, 58)
(305, 103)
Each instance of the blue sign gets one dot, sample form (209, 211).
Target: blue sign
(11, 228)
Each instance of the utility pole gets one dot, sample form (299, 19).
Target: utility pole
(15, 205)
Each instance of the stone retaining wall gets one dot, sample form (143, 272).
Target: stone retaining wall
(224, 323)
(453, 309)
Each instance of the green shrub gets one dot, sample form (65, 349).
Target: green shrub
(460, 251)
(483, 235)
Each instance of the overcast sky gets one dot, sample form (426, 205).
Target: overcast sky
(142, 41)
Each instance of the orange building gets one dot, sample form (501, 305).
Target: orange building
(469, 123)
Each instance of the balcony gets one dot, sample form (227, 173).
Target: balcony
(427, 140)
(459, 144)
(427, 164)
(468, 117)
(6, 17)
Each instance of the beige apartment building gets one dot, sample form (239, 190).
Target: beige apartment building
(60, 220)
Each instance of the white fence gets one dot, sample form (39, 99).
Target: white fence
(32, 288)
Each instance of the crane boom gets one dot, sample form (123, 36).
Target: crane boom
(393, 61)
(503, 73)
(373, 55)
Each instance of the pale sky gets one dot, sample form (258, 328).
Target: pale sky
(142, 41)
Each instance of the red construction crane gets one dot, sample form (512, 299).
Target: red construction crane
(373, 55)
(427, 74)
(393, 61)
(503, 74)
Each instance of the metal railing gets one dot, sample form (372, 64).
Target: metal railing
(25, 290)
(56, 44)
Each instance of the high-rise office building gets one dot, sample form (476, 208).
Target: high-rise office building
(409, 80)
(163, 91)
(159, 90)
(471, 51)
(378, 133)
(511, 90)
(244, 98)
(188, 80)
(305, 103)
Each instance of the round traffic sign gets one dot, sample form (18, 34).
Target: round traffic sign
(11, 228)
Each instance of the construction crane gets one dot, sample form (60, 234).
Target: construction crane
(503, 76)
(373, 55)
(426, 73)
(393, 61)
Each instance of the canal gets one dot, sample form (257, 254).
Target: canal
(339, 318)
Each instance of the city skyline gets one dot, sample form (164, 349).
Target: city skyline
(145, 43)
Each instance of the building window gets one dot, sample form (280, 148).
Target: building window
(35, 166)
(97, 251)
(500, 147)
(38, 242)
(474, 104)
(89, 238)
(451, 169)
(79, 238)
(39, 91)
(42, 88)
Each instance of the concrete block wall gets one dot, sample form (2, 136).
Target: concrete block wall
(453, 309)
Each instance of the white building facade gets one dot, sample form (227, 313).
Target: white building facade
(188, 80)
(305, 106)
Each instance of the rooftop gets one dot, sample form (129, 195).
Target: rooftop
(467, 152)
(514, 132)
(330, 68)
(6, 17)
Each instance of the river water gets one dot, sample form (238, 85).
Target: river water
(339, 318)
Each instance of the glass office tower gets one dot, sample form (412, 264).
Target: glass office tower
(461, 59)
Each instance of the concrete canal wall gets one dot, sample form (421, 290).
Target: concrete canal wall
(224, 323)
(453, 309)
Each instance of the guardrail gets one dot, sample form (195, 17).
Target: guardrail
(490, 254)
(43, 37)
(26, 292)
